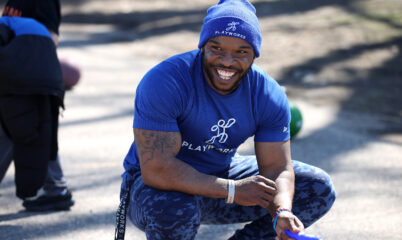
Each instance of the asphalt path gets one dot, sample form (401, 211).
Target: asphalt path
(96, 132)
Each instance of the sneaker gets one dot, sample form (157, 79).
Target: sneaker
(49, 203)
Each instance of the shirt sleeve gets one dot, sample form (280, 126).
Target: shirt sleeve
(159, 99)
(273, 113)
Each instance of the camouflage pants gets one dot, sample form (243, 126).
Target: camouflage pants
(175, 215)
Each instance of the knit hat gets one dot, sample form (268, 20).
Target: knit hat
(232, 18)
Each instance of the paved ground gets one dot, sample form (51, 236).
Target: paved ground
(352, 128)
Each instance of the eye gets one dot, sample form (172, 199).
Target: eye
(242, 53)
(216, 48)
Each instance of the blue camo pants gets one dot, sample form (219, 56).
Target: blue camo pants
(174, 215)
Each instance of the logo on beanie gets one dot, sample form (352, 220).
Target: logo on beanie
(232, 26)
(230, 31)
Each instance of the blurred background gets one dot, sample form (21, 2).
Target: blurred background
(339, 60)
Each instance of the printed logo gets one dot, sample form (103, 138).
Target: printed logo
(230, 31)
(285, 129)
(220, 129)
(232, 26)
(220, 136)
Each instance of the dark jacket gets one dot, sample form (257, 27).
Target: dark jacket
(28, 59)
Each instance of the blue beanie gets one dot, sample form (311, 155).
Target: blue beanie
(232, 18)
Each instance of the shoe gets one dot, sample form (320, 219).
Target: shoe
(50, 203)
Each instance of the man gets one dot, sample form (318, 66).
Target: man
(54, 194)
(192, 112)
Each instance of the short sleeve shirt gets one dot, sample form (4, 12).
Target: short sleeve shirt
(175, 96)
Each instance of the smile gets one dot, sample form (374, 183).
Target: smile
(224, 74)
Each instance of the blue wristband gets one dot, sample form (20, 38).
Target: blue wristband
(277, 214)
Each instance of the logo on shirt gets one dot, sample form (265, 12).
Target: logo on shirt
(232, 26)
(220, 129)
(220, 136)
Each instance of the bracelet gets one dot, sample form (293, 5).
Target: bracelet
(231, 191)
(277, 214)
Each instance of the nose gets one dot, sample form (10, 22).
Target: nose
(226, 59)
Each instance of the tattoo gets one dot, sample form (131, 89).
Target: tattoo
(151, 142)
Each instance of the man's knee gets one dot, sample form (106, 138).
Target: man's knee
(324, 191)
(165, 214)
(314, 194)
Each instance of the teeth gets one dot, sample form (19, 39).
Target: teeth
(226, 75)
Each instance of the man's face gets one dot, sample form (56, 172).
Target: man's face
(226, 61)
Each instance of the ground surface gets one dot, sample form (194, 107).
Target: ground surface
(339, 60)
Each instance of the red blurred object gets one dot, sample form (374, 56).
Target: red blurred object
(71, 73)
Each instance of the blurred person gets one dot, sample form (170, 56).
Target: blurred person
(32, 91)
(192, 112)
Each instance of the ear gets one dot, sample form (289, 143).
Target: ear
(254, 54)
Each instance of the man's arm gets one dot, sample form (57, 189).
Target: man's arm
(161, 169)
(274, 162)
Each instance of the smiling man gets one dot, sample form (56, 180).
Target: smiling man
(192, 112)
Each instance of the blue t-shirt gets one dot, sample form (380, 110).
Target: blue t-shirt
(175, 96)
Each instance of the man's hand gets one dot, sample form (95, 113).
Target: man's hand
(287, 221)
(255, 190)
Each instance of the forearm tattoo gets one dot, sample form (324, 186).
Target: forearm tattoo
(150, 143)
